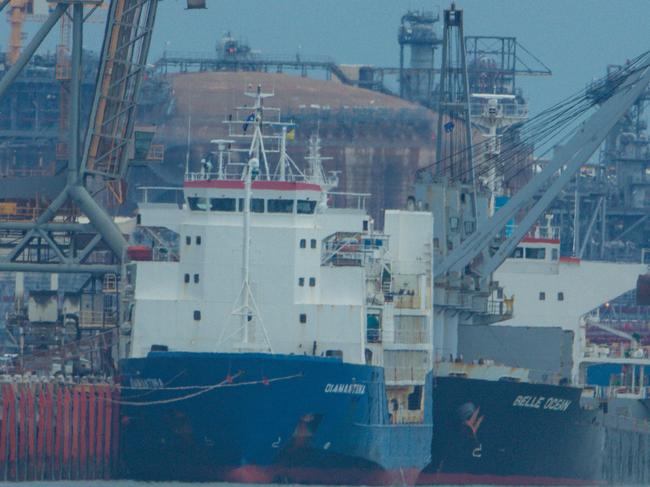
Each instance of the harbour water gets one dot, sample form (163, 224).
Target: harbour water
(133, 483)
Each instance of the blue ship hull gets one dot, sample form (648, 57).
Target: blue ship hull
(264, 418)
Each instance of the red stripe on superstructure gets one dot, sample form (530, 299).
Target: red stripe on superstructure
(570, 260)
(474, 479)
(540, 240)
(238, 184)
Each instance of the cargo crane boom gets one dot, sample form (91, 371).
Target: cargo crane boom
(565, 163)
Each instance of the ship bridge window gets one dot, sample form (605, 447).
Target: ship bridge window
(280, 206)
(197, 204)
(305, 207)
(223, 204)
(518, 253)
(555, 254)
(257, 205)
(535, 253)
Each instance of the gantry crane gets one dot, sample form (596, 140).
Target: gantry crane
(45, 245)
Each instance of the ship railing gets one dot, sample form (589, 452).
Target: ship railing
(610, 352)
(411, 337)
(545, 232)
(505, 108)
(349, 252)
(500, 307)
(405, 374)
(151, 194)
(341, 199)
(97, 319)
(237, 176)
(192, 56)
(406, 299)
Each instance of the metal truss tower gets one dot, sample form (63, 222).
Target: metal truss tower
(51, 243)
(454, 131)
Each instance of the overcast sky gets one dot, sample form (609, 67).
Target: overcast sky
(576, 39)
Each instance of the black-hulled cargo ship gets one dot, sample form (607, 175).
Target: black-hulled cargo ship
(512, 433)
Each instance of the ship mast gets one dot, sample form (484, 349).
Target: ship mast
(246, 306)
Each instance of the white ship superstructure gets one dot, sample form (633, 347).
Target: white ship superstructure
(292, 275)
(549, 290)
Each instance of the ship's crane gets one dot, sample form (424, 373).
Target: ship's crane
(46, 245)
(557, 173)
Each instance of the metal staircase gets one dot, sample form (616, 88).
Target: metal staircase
(124, 54)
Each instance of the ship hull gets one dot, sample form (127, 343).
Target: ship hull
(259, 418)
(512, 433)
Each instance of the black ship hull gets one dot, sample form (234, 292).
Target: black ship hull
(512, 433)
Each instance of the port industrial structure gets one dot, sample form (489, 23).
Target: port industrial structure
(65, 230)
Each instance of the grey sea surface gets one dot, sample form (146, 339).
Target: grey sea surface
(133, 483)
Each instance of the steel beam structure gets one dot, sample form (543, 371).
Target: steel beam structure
(45, 245)
(31, 48)
(556, 175)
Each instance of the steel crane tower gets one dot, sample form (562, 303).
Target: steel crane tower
(47, 244)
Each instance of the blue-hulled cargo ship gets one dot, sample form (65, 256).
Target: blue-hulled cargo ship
(259, 418)
(286, 339)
